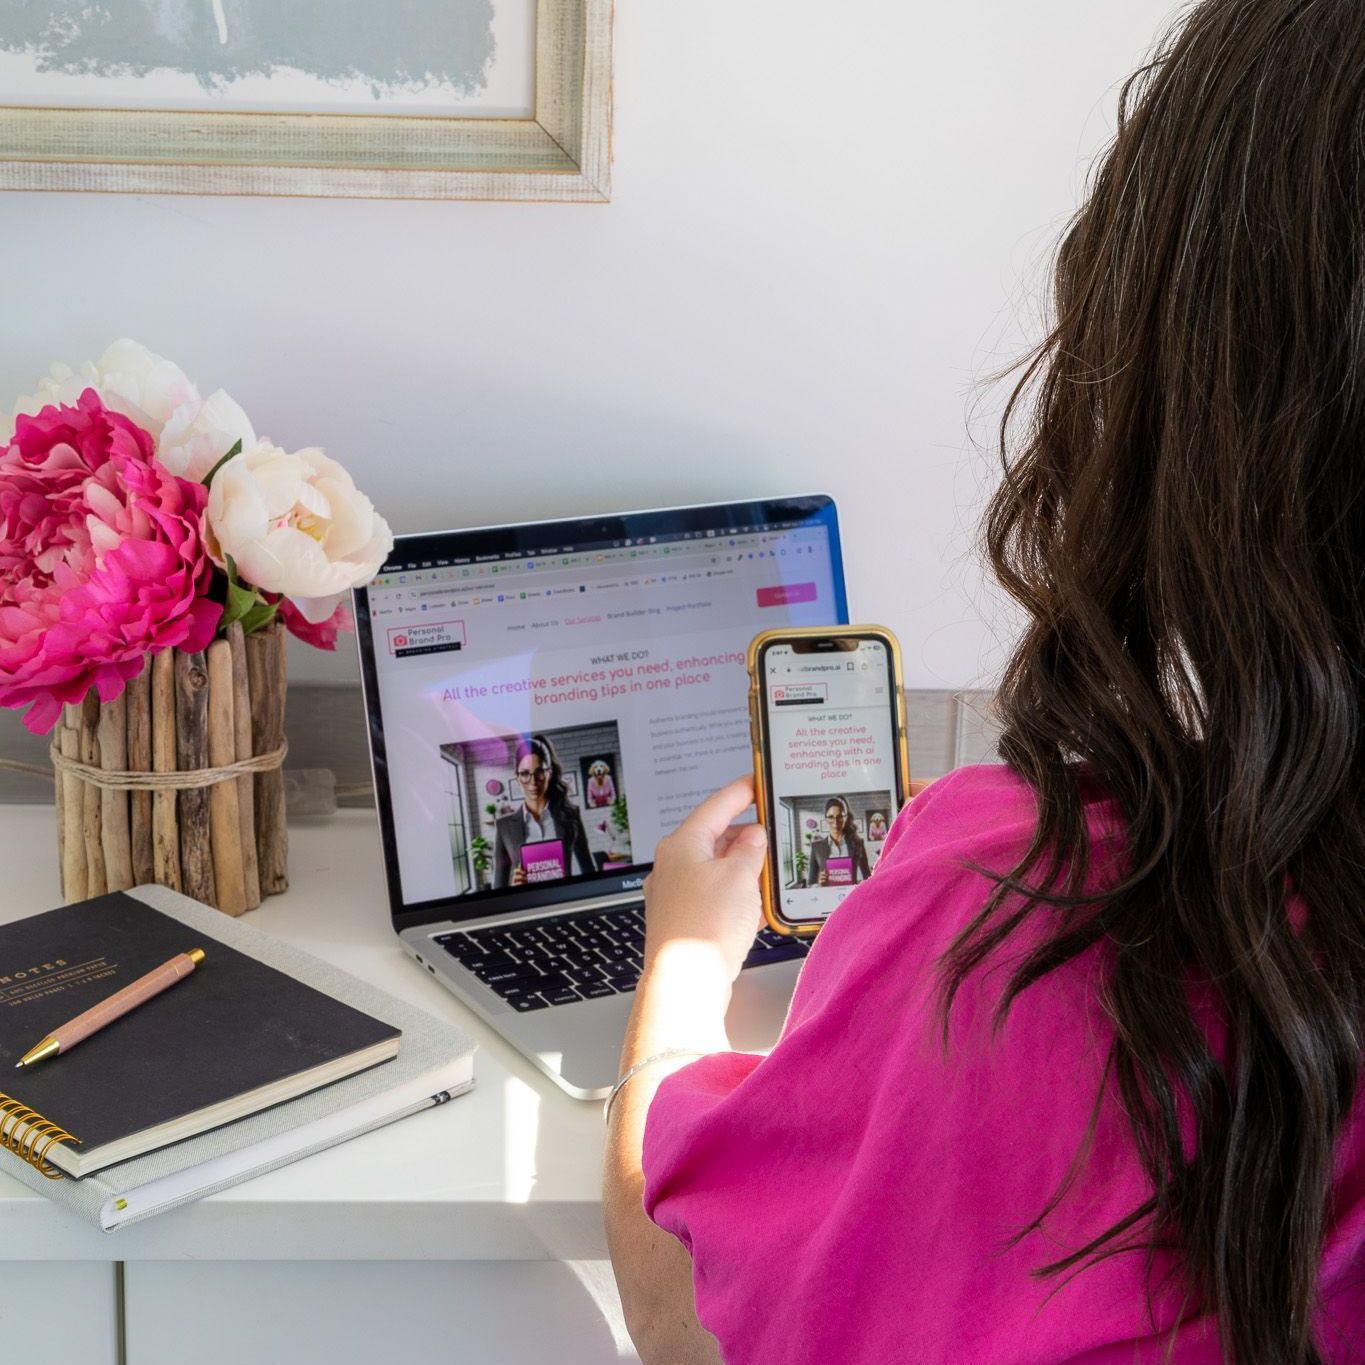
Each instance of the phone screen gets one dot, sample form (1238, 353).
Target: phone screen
(833, 767)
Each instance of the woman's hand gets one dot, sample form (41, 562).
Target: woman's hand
(518, 876)
(702, 898)
(823, 879)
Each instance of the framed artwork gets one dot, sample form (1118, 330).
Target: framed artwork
(431, 99)
(601, 785)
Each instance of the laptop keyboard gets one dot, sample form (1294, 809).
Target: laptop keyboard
(584, 956)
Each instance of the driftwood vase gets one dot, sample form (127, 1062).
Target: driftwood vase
(179, 779)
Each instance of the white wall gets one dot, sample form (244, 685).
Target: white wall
(829, 225)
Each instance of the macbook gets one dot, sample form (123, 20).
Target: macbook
(545, 701)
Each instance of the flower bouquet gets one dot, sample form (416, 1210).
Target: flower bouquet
(153, 552)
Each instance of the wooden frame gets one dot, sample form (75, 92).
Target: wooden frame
(562, 153)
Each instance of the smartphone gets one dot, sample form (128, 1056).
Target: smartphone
(831, 763)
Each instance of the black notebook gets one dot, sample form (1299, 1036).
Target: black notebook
(234, 1037)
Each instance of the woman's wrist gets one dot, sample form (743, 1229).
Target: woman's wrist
(691, 966)
(680, 1002)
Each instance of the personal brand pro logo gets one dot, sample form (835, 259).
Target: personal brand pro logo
(426, 637)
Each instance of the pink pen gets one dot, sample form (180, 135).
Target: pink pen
(66, 1037)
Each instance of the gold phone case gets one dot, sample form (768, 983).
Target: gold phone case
(758, 738)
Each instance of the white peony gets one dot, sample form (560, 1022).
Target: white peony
(295, 524)
(129, 379)
(142, 385)
(199, 433)
(61, 384)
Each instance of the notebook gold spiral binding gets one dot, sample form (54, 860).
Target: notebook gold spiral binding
(29, 1135)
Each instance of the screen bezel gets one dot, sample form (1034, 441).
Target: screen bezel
(427, 549)
(813, 642)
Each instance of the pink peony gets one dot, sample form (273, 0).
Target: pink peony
(323, 634)
(102, 560)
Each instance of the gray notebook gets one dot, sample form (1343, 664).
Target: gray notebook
(434, 1063)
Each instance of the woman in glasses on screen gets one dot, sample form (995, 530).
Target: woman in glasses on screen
(839, 856)
(544, 840)
(1075, 1076)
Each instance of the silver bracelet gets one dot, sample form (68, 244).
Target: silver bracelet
(640, 1066)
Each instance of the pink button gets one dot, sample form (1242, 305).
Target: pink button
(785, 594)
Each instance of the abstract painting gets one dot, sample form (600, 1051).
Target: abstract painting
(429, 98)
(354, 56)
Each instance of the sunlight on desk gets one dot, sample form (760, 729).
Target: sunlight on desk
(521, 1130)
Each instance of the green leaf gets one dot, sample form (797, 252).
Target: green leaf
(236, 450)
(260, 616)
(240, 603)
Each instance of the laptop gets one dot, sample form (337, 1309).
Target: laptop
(545, 701)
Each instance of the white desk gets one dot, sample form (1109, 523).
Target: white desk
(470, 1233)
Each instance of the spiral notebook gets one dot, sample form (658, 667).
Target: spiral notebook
(283, 1056)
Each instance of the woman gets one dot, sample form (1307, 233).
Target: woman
(840, 841)
(1075, 1076)
(547, 818)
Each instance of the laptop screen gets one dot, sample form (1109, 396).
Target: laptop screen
(546, 701)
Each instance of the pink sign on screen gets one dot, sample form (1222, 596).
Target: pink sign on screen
(543, 862)
(838, 871)
(785, 594)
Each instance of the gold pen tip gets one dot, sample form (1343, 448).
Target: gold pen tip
(49, 1047)
(195, 955)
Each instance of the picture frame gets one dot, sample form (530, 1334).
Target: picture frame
(561, 153)
(602, 793)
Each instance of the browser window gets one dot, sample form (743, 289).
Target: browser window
(550, 715)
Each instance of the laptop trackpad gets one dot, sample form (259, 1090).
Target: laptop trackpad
(758, 1006)
(581, 1045)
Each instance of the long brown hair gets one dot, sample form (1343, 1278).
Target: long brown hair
(1182, 517)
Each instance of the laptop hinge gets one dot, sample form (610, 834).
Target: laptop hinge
(535, 912)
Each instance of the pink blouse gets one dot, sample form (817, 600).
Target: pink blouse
(852, 1196)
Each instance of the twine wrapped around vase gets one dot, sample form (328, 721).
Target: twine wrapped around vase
(178, 780)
